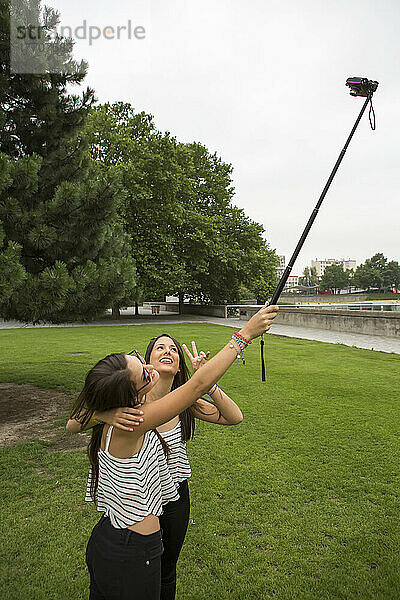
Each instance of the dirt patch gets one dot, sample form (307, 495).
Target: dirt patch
(28, 413)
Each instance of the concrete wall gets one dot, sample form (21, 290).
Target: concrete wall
(214, 310)
(170, 306)
(301, 299)
(361, 321)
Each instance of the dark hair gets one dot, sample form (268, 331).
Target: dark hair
(182, 376)
(107, 385)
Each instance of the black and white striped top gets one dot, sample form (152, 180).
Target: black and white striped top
(129, 489)
(178, 463)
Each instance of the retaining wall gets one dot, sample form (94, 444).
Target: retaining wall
(361, 321)
(212, 310)
(301, 299)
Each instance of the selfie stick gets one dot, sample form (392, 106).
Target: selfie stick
(358, 87)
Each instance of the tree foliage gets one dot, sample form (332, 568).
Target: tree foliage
(86, 193)
(187, 237)
(63, 251)
(377, 272)
(335, 278)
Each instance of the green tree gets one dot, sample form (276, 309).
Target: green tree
(391, 275)
(11, 270)
(61, 233)
(35, 110)
(335, 278)
(374, 273)
(219, 245)
(237, 255)
(371, 273)
(153, 180)
(264, 275)
(187, 237)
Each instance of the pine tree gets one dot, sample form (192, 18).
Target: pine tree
(63, 251)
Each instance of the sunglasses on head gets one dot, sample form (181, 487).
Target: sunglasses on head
(146, 374)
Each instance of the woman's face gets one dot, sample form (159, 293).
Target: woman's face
(164, 356)
(144, 376)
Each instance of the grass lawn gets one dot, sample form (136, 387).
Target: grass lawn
(301, 501)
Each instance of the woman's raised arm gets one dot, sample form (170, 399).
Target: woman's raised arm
(125, 418)
(164, 409)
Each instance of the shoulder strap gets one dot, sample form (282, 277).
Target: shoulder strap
(108, 438)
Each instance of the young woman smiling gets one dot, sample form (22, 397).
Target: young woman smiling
(173, 413)
(167, 357)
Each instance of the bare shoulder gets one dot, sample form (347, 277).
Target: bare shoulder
(124, 444)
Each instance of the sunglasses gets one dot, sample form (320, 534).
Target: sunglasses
(146, 374)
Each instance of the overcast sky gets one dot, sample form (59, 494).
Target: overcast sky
(262, 84)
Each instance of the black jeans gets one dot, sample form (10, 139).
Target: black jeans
(174, 523)
(123, 564)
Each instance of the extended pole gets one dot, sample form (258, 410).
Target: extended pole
(359, 86)
(314, 213)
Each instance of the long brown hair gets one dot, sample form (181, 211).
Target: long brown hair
(107, 385)
(182, 376)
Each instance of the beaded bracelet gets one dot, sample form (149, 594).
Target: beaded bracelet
(232, 346)
(242, 343)
(242, 346)
(237, 334)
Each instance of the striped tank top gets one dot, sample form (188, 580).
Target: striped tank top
(178, 463)
(131, 488)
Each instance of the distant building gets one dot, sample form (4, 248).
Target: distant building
(282, 265)
(292, 282)
(320, 265)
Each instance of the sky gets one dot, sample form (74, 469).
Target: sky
(262, 84)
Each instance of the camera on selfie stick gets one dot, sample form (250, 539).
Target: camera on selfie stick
(359, 86)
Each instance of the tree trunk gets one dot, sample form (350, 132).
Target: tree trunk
(181, 296)
(116, 313)
(136, 308)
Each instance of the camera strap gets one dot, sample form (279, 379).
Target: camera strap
(262, 359)
(371, 115)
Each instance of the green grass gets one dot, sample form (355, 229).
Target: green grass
(301, 501)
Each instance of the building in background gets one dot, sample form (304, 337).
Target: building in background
(293, 280)
(320, 265)
(282, 265)
(292, 283)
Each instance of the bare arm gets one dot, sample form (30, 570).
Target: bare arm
(123, 418)
(74, 426)
(163, 410)
(222, 411)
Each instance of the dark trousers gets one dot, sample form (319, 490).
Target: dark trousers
(174, 523)
(123, 564)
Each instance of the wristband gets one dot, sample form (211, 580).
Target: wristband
(242, 344)
(241, 337)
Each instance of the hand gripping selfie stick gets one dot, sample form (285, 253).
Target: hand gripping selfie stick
(359, 86)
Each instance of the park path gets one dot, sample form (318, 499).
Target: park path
(369, 342)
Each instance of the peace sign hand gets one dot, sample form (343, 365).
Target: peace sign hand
(197, 360)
